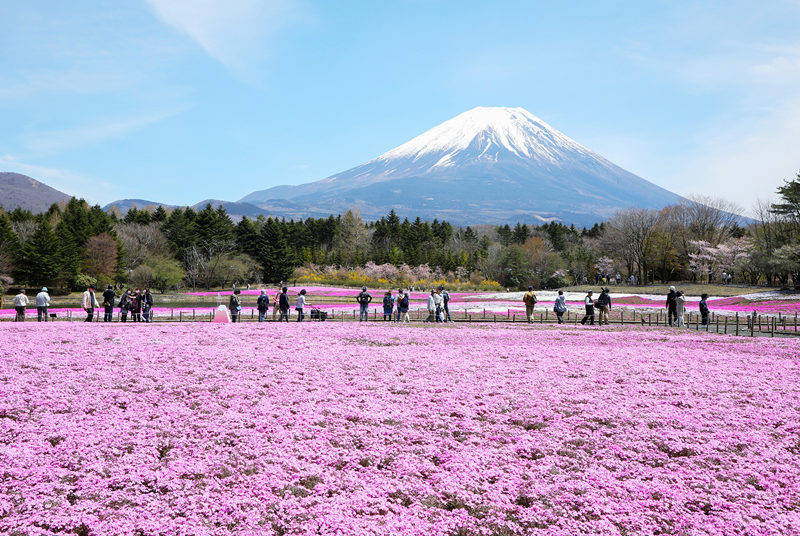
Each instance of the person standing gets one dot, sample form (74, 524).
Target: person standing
(560, 307)
(672, 305)
(283, 305)
(276, 304)
(262, 304)
(680, 305)
(603, 304)
(235, 305)
(125, 305)
(632, 280)
(403, 306)
(109, 297)
(388, 306)
(20, 303)
(42, 302)
(438, 302)
(589, 304)
(364, 298)
(704, 309)
(147, 306)
(446, 302)
(301, 305)
(89, 303)
(529, 298)
(136, 306)
(431, 307)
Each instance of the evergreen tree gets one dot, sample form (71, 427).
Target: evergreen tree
(273, 253)
(37, 262)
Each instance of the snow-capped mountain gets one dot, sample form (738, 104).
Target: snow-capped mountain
(486, 165)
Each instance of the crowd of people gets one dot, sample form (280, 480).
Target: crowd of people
(138, 304)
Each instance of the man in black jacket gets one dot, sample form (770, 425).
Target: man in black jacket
(108, 304)
(283, 305)
(672, 306)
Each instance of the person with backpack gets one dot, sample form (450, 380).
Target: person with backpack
(364, 298)
(301, 305)
(388, 306)
(560, 307)
(147, 306)
(403, 304)
(603, 304)
(262, 304)
(589, 303)
(235, 305)
(89, 303)
(109, 297)
(704, 313)
(529, 298)
(283, 305)
(20, 303)
(125, 305)
(42, 302)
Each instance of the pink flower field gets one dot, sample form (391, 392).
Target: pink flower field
(375, 429)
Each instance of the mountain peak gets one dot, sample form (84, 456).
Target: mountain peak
(490, 133)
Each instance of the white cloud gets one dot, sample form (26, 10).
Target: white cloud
(57, 141)
(71, 183)
(233, 31)
(746, 158)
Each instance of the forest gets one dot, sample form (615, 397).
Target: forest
(74, 245)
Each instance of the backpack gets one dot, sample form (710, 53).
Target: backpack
(404, 301)
(363, 298)
(387, 302)
(262, 303)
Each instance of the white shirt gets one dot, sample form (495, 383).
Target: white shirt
(301, 301)
(431, 304)
(20, 300)
(43, 299)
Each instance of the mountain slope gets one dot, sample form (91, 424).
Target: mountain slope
(21, 191)
(486, 165)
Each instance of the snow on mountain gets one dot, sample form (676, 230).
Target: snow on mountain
(486, 165)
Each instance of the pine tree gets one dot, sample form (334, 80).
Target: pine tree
(37, 262)
(273, 253)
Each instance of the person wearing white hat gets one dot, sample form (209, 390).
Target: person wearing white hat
(42, 301)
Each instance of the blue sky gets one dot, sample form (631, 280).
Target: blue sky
(181, 100)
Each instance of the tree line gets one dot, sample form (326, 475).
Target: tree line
(73, 245)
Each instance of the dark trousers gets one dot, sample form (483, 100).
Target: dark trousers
(108, 314)
(588, 316)
(20, 317)
(704, 319)
(41, 314)
(672, 316)
(234, 317)
(387, 314)
(560, 317)
(284, 315)
(447, 312)
(300, 315)
(89, 314)
(148, 314)
(123, 315)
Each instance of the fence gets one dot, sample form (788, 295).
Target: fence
(743, 325)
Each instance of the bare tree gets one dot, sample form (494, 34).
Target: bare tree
(630, 232)
(140, 242)
(711, 219)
